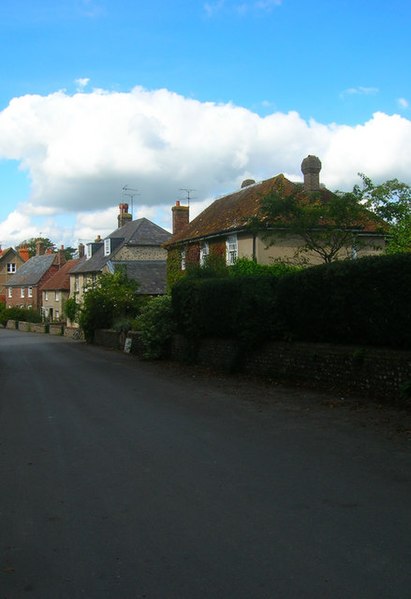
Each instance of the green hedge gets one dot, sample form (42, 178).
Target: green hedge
(362, 302)
(21, 314)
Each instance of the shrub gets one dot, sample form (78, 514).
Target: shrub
(156, 326)
(244, 267)
(21, 314)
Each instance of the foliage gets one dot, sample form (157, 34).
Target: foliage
(363, 302)
(156, 326)
(327, 223)
(71, 309)
(20, 314)
(391, 201)
(214, 267)
(31, 244)
(238, 307)
(112, 297)
(244, 267)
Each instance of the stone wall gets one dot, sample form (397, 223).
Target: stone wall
(371, 372)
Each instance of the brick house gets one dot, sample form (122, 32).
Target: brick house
(55, 291)
(24, 290)
(10, 262)
(224, 227)
(136, 245)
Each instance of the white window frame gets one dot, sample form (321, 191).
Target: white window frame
(89, 250)
(21, 291)
(231, 249)
(30, 292)
(183, 259)
(10, 294)
(107, 247)
(76, 284)
(46, 296)
(57, 296)
(204, 252)
(11, 268)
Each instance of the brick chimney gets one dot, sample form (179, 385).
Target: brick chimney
(124, 216)
(181, 217)
(81, 250)
(61, 256)
(39, 248)
(311, 167)
(24, 252)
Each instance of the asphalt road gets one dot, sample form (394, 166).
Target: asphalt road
(128, 480)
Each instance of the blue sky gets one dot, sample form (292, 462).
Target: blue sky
(98, 94)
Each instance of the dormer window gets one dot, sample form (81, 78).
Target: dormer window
(11, 268)
(107, 247)
(89, 250)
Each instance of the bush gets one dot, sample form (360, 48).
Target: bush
(364, 302)
(244, 267)
(156, 326)
(20, 314)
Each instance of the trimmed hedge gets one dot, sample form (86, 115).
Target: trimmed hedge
(362, 302)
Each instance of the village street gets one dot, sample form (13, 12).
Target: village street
(125, 479)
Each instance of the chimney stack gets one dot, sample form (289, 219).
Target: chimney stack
(81, 250)
(61, 256)
(124, 216)
(39, 248)
(181, 217)
(311, 167)
(24, 252)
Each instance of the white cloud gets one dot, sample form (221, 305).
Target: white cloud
(403, 103)
(360, 91)
(81, 83)
(80, 150)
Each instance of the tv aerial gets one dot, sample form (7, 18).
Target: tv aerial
(130, 192)
(188, 192)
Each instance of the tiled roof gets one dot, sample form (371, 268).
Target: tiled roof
(150, 274)
(232, 212)
(140, 232)
(61, 280)
(31, 272)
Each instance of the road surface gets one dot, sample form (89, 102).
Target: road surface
(127, 480)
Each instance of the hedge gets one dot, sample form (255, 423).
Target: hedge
(363, 302)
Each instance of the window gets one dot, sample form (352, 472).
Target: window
(10, 292)
(57, 296)
(76, 284)
(231, 249)
(11, 268)
(89, 250)
(107, 247)
(22, 292)
(46, 296)
(183, 259)
(30, 292)
(56, 315)
(203, 253)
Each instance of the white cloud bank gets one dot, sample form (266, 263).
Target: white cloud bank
(80, 150)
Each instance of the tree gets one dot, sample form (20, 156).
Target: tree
(327, 223)
(391, 201)
(112, 297)
(31, 244)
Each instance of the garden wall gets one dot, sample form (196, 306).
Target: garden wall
(371, 372)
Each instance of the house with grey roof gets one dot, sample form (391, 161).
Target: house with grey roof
(136, 246)
(24, 289)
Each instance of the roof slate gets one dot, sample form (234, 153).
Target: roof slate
(140, 232)
(150, 274)
(31, 272)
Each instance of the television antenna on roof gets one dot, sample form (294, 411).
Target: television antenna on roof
(188, 191)
(130, 192)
